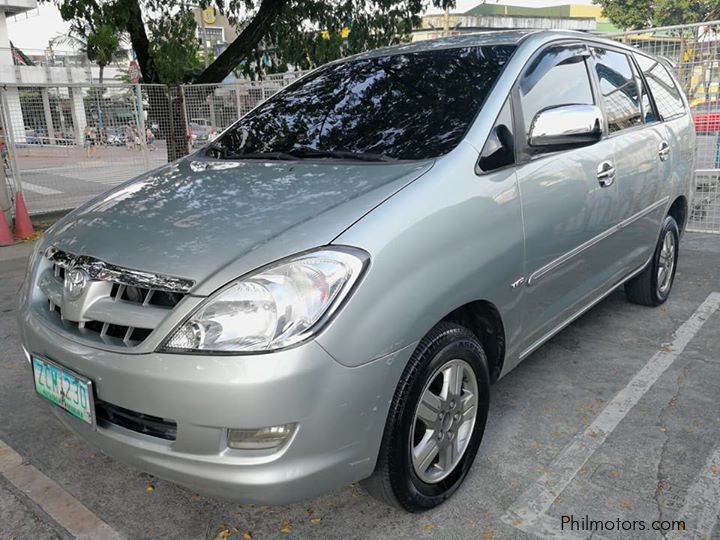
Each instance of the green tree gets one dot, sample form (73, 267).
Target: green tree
(175, 48)
(331, 30)
(97, 36)
(307, 33)
(302, 33)
(635, 14)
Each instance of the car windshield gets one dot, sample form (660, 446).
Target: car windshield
(405, 106)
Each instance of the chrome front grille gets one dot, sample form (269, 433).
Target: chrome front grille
(116, 306)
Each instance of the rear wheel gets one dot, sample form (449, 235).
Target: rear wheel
(436, 421)
(652, 286)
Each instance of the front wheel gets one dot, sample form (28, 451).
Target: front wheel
(652, 286)
(436, 421)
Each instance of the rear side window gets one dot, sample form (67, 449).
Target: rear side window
(667, 96)
(562, 81)
(619, 90)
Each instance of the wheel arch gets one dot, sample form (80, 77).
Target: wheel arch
(679, 210)
(483, 319)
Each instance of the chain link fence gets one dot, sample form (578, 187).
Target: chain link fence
(210, 108)
(64, 144)
(694, 52)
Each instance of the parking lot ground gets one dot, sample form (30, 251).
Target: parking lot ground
(617, 417)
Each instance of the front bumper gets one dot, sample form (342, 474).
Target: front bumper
(340, 413)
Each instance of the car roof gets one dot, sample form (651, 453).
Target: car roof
(490, 37)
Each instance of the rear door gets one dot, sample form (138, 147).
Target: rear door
(641, 152)
(567, 209)
(679, 131)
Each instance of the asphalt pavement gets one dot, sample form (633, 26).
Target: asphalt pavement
(616, 418)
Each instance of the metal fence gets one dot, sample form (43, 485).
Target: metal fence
(694, 52)
(63, 144)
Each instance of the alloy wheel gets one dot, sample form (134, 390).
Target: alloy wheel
(444, 421)
(666, 263)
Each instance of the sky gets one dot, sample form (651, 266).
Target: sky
(32, 31)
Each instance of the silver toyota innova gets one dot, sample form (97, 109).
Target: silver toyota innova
(325, 292)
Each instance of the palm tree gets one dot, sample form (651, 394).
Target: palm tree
(102, 45)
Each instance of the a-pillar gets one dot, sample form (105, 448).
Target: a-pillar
(77, 109)
(48, 115)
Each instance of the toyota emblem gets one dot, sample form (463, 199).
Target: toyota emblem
(76, 280)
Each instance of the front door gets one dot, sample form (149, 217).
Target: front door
(569, 200)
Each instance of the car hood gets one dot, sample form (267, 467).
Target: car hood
(195, 217)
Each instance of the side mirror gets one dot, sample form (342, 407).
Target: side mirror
(567, 126)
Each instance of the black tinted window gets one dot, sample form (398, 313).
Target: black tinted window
(619, 90)
(667, 96)
(564, 82)
(499, 149)
(405, 106)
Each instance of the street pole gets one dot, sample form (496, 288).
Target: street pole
(140, 117)
(446, 22)
(204, 38)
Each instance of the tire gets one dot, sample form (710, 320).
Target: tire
(652, 287)
(398, 479)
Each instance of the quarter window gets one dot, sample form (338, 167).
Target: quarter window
(499, 149)
(564, 82)
(619, 90)
(648, 111)
(662, 86)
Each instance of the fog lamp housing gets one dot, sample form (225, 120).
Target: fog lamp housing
(266, 438)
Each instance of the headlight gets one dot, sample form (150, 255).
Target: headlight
(278, 306)
(34, 255)
(32, 260)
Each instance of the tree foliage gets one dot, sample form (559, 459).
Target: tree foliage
(274, 35)
(305, 33)
(93, 32)
(311, 33)
(175, 48)
(635, 14)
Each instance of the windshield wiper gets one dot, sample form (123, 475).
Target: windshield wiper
(223, 153)
(302, 152)
(307, 152)
(260, 155)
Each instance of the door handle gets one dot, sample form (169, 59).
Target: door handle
(606, 174)
(664, 151)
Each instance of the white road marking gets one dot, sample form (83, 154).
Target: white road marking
(65, 509)
(42, 190)
(528, 511)
(702, 504)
